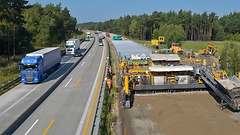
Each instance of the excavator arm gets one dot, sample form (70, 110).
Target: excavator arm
(211, 49)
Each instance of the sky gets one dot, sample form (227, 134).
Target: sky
(103, 10)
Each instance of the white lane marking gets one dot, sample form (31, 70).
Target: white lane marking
(68, 82)
(83, 118)
(31, 127)
(93, 49)
(83, 63)
(69, 60)
(10, 107)
(89, 54)
(18, 101)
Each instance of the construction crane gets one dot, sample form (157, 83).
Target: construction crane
(210, 50)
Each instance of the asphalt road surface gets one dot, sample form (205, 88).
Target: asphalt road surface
(16, 101)
(63, 112)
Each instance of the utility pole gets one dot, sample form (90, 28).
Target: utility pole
(8, 50)
(14, 28)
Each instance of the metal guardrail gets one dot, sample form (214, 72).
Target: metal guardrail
(5, 87)
(97, 118)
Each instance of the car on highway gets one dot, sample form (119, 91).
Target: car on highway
(100, 43)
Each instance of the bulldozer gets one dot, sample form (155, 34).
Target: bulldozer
(177, 48)
(210, 50)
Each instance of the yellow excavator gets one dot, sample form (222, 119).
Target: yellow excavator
(210, 50)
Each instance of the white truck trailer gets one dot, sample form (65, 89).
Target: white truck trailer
(73, 47)
(36, 66)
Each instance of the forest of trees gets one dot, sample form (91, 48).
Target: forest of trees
(180, 26)
(197, 27)
(24, 27)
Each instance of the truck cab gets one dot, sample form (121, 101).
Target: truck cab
(31, 69)
(72, 47)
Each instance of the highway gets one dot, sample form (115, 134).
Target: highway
(72, 92)
(63, 112)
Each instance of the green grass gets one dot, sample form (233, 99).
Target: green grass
(142, 42)
(195, 46)
(8, 70)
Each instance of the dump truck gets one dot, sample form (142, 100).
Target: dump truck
(73, 47)
(210, 50)
(36, 66)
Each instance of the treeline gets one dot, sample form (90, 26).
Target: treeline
(24, 26)
(197, 27)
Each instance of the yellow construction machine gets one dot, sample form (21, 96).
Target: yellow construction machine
(157, 42)
(217, 73)
(154, 43)
(210, 50)
(177, 48)
(134, 73)
(220, 74)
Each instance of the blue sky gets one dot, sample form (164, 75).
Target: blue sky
(102, 10)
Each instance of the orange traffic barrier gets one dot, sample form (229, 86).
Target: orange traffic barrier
(109, 82)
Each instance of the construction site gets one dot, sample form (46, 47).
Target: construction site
(173, 91)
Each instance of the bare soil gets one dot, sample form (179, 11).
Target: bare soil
(195, 113)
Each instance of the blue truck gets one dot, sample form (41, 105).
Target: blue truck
(36, 66)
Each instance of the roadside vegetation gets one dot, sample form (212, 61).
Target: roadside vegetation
(108, 117)
(8, 70)
(183, 25)
(196, 46)
(25, 28)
